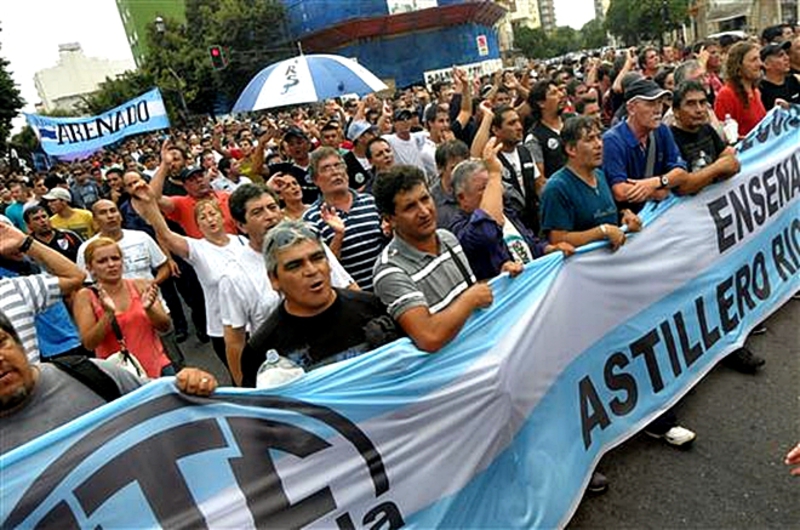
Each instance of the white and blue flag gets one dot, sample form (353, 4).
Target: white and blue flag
(500, 429)
(68, 136)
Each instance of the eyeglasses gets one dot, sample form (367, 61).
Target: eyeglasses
(331, 167)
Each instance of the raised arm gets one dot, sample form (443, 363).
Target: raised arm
(70, 277)
(484, 131)
(492, 200)
(464, 82)
(143, 201)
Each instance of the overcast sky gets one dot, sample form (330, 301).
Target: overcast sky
(33, 29)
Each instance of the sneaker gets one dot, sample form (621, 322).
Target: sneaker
(760, 329)
(597, 484)
(744, 361)
(677, 436)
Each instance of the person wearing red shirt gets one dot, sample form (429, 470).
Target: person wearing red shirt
(739, 98)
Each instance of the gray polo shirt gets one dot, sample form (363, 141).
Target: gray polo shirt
(405, 277)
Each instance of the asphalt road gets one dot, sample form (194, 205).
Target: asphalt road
(733, 476)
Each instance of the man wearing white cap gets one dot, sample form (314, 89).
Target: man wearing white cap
(360, 133)
(640, 157)
(65, 217)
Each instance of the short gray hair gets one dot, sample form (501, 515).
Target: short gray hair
(286, 234)
(463, 173)
(685, 69)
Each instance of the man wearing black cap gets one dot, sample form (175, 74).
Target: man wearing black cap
(360, 132)
(407, 146)
(641, 160)
(297, 146)
(778, 84)
(181, 209)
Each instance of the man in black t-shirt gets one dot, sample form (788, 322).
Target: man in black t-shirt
(65, 242)
(778, 83)
(547, 102)
(315, 324)
(707, 157)
(708, 160)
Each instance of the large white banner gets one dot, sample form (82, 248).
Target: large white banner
(500, 429)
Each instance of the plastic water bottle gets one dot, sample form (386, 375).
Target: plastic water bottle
(731, 129)
(276, 371)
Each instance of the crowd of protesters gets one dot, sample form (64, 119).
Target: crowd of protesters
(321, 232)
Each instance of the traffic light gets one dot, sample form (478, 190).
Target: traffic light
(218, 59)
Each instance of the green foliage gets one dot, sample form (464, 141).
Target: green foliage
(635, 21)
(534, 43)
(538, 44)
(179, 63)
(114, 92)
(11, 103)
(593, 34)
(25, 141)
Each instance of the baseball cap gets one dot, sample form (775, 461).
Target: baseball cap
(189, 172)
(646, 89)
(774, 48)
(357, 128)
(296, 132)
(57, 193)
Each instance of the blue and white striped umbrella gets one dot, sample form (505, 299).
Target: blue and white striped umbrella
(305, 79)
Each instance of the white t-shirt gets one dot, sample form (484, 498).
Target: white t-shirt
(246, 296)
(140, 255)
(408, 151)
(513, 159)
(429, 160)
(210, 262)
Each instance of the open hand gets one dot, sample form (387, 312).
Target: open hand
(331, 217)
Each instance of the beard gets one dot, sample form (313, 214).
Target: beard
(15, 399)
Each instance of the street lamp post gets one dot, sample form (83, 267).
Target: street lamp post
(161, 29)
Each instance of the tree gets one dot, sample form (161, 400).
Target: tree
(534, 43)
(564, 39)
(593, 35)
(113, 92)
(253, 33)
(11, 103)
(641, 20)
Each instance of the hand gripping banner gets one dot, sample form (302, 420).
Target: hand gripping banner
(500, 429)
(69, 136)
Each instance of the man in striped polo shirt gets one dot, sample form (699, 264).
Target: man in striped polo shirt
(422, 276)
(23, 297)
(347, 220)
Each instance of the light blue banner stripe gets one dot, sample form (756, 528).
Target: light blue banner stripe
(548, 454)
(70, 136)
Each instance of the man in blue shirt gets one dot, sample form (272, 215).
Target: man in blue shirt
(491, 234)
(641, 158)
(577, 204)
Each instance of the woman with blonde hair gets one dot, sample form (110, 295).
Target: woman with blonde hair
(130, 305)
(209, 257)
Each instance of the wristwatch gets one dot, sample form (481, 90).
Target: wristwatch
(26, 244)
(664, 182)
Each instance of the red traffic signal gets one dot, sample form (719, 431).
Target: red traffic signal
(218, 59)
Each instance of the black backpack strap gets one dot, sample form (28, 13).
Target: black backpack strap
(88, 373)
